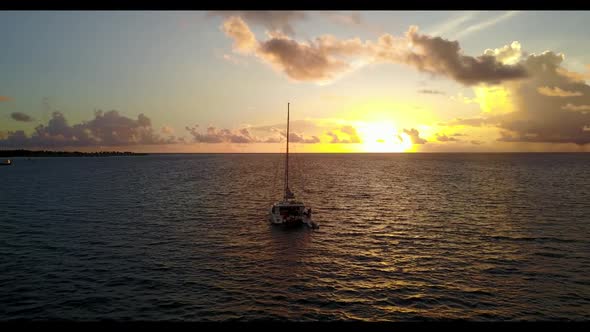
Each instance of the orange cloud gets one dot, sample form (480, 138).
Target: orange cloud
(272, 20)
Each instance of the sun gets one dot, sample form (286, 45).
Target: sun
(383, 137)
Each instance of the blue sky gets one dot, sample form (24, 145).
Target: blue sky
(179, 68)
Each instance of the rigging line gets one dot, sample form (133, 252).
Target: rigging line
(279, 161)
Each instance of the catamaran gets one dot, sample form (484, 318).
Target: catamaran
(290, 211)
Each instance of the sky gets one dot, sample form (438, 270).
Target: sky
(367, 81)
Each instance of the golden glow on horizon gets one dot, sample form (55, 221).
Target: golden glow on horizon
(382, 137)
(404, 113)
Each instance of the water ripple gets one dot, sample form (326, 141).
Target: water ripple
(402, 237)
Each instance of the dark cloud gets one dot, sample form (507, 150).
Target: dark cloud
(106, 129)
(327, 57)
(543, 117)
(18, 116)
(548, 107)
(475, 142)
(272, 20)
(432, 92)
(443, 57)
(415, 136)
(301, 62)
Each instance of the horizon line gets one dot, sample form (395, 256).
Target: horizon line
(327, 152)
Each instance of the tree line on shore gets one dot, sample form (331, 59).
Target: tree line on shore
(47, 153)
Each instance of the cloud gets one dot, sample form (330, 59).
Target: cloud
(300, 61)
(167, 130)
(557, 92)
(327, 57)
(244, 39)
(352, 134)
(415, 136)
(542, 118)
(576, 108)
(5, 98)
(445, 138)
(106, 129)
(273, 140)
(342, 134)
(337, 136)
(443, 57)
(297, 138)
(432, 92)
(214, 135)
(334, 137)
(573, 75)
(509, 54)
(244, 136)
(535, 114)
(476, 142)
(18, 116)
(272, 20)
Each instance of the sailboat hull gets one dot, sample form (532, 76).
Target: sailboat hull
(290, 214)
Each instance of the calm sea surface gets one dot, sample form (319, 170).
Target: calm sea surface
(401, 237)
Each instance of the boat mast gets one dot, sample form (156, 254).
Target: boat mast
(287, 158)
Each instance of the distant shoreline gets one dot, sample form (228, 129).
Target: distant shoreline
(44, 153)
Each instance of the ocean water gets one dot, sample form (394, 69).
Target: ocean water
(402, 237)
